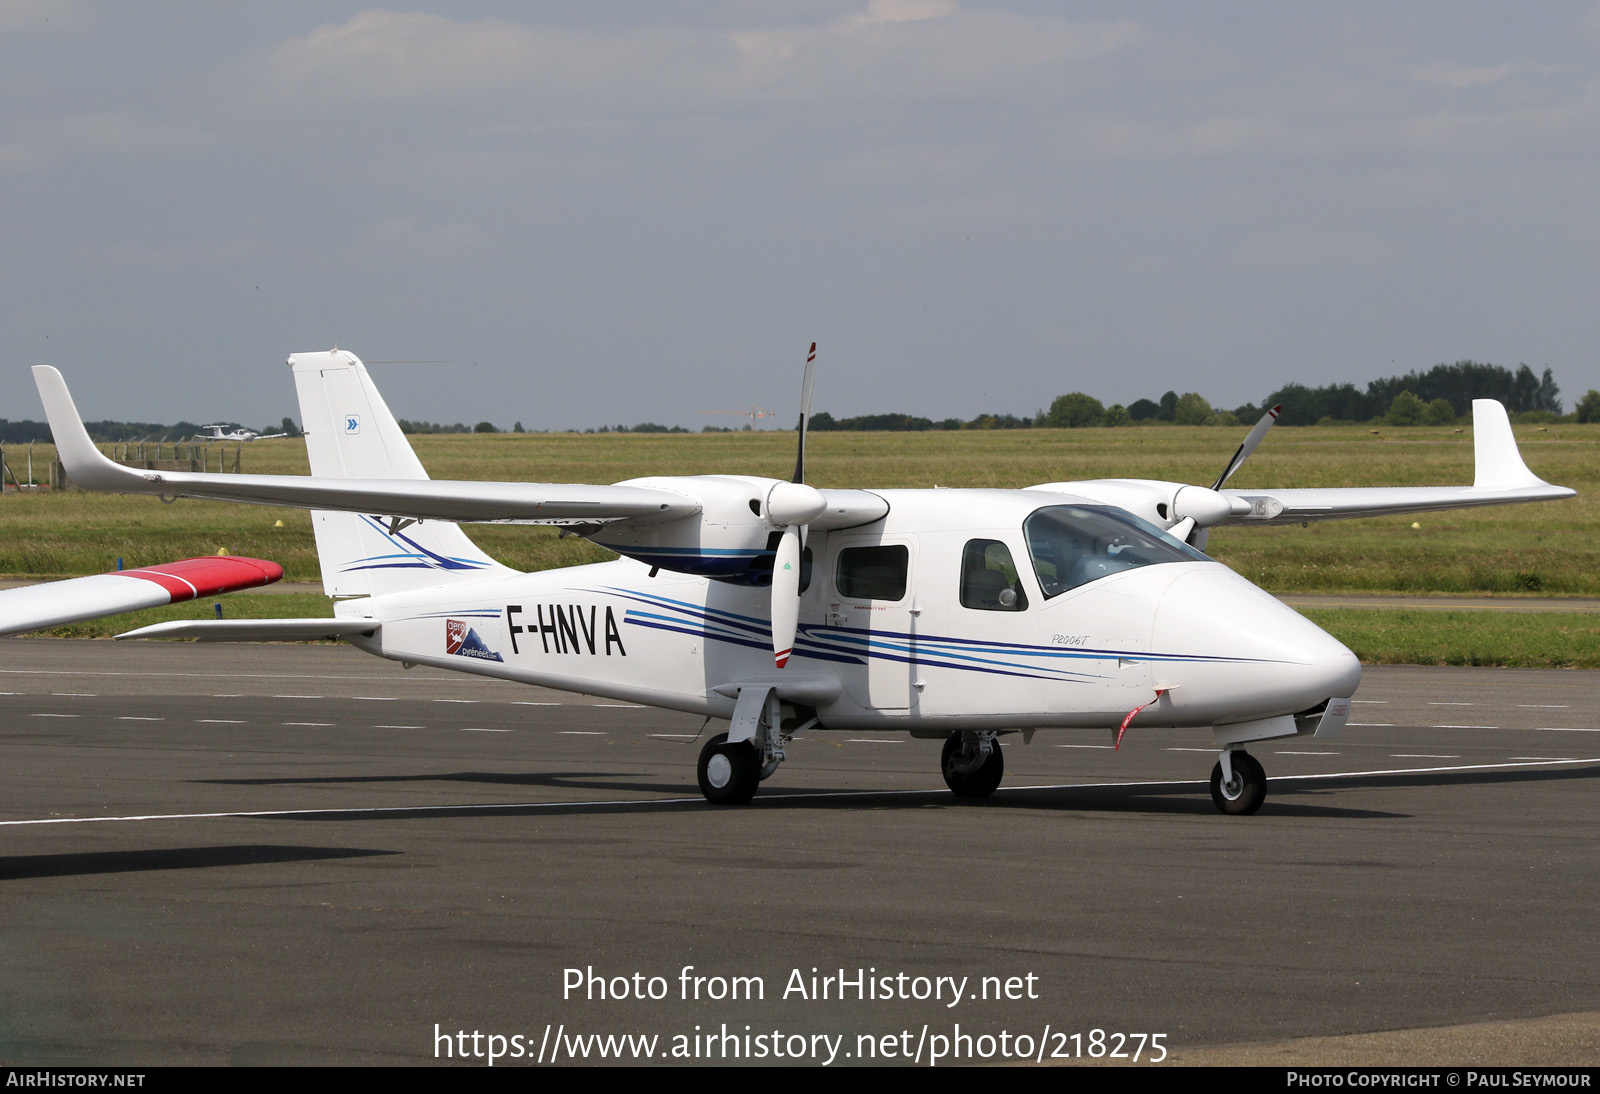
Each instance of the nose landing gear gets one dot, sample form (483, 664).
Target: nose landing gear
(1238, 783)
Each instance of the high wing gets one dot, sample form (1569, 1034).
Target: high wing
(1501, 478)
(35, 607)
(415, 498)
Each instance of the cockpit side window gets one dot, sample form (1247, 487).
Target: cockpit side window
(989, 578)
(873, 573)
(1072, 545)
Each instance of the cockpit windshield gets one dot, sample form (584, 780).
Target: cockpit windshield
(1072, 545)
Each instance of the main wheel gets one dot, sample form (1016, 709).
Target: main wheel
(729, 774)
(1246, 792)
(979, 783)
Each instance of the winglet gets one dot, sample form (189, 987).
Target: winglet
(85, 464)
(1499, 464)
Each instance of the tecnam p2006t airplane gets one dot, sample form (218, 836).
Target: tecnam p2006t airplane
(956, 615)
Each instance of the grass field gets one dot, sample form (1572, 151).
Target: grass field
(1530, 550)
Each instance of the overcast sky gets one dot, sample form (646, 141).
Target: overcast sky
(618, 212)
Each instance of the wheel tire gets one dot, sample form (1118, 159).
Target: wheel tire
(1249, 789)
(972, 784)
(729, 774)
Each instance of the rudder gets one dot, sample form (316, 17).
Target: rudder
(350, 433)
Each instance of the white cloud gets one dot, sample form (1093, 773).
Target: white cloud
(896, 49)
(1446, 74)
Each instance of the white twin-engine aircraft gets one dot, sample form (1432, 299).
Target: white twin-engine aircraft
(956, 615)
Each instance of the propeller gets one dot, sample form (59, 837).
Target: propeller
(794, 505)
(1199, 508)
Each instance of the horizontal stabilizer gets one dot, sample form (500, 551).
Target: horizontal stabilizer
(416, 499)
(258, 630)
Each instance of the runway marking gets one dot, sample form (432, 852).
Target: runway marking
(692, 736)
(378, 698)
(941, 792)
(1565, 729)
(468, 729)
(399, 727)
(1547, 758)
(528, 703)
(1373, 702)
(454, 700)
(55, 715)
(1422, 756)
(1305, 754)
(1464, 727)
(221, 721)
(318, 724)
(297, 697)
(589, 733)
(1369, 725)
(235, 695)
(1083, 746)
(1542, 706)
(623, 706)
(1433, 704)
(138, 718)
(80, 694)
(873, 741)
(1177, 749)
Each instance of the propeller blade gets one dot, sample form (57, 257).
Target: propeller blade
(1251, 440)
(1183, 529)
(786, 595)
(805, 415)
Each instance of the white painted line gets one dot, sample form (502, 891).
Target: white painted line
(398, 727)
(1084, 746)
(468, 729)
(1464, 727)
(137, 718)
(55, 715)
(580, 732)
(1433, 704)
(296, 696)
(1385, 725)
(1422, 756)
(623, 706)
(1543, 706)
(453, 700)
(692, 736)
(526, 703)
(421, 810)
(75, 694)
(1544, 758)
(1565, 729)
(1372, 702)
(221, 721)
(377, 698)
(1305, 754)
(1187, 749)
(235, 695)
(320, 725)
(873, 741)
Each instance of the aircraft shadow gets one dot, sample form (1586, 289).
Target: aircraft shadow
(568, 780)
(21, 867)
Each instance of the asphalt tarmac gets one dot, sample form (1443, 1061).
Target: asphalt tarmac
(297, 854)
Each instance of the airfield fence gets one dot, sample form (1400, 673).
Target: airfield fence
(145, 455)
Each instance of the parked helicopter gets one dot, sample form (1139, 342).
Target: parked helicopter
(955, 615)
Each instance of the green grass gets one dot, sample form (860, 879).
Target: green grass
(1396, 636)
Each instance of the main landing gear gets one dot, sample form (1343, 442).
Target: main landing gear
(729, 773)
(1238, 783)
(733, 764)
(972, 763)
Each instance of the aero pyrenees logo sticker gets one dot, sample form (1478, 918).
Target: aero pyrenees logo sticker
(463, 641)
(352, 424)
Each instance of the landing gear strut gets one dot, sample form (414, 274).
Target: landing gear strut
(972, 764)
(1241, 788)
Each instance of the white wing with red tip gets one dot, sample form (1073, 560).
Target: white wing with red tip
(54, 603)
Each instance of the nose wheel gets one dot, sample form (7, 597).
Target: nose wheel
(1240, 790)
(729, 773)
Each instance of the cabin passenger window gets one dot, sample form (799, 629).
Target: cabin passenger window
(989, 578)
(873, 573)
